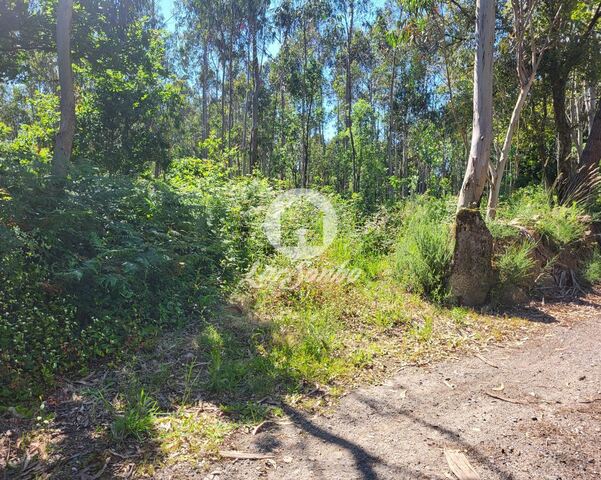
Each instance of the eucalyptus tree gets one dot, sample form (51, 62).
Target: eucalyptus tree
(530, 41)
(574, 35)
(346, 12)
(471, 276)
(64, 138)
(302, 70)
(255, 11)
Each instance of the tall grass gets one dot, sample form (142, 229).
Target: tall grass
(515, 264)
(424, 249)
(531, 207)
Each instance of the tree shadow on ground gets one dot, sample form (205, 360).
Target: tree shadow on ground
(449, 434)
(546, 309)
(366, 463)
(531, 313)
(204, 381)
(215, 373)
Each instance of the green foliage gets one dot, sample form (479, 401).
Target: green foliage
(515, 264)
(562, 225)
(130, 104)
(424, 249)
(531, 207)
(592, 268)
(136, 421)
(500, 230)
(111, 263)
(29, 143)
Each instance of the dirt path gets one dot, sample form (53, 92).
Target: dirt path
(547, 424)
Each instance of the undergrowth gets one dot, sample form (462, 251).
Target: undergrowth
(592, 268)
(116, 260)
(111, 263)
(424, 249)
(282, 333)
(531, 208)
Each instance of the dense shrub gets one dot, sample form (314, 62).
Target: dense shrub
(424, 250)
(116, 259)
(110, 262)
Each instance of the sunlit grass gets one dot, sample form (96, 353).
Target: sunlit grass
(190, 434)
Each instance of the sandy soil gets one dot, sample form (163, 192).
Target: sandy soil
(545, 422)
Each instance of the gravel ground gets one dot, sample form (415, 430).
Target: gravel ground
(530, 410)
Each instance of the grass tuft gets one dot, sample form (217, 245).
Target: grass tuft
(136, 420)
(515, 264)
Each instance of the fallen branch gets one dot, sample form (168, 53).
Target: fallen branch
(505, 399)
(592, 400)
(460, 466)
(260, 426)
(488, 362)
(244, 455)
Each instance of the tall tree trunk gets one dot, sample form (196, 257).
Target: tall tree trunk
(306, 151)
(404, 163)
(591, 155)
(577, 133)
(307, 103)
(245, 124)
(64, 139)
(564, 135)
(497, 173)
(230, 110)
(471, 273)
(205, 90)
(254, 129)
(590, 101)
(477, 165)
(349, 93)
(223, 95)
(389, 159)
(584, 184)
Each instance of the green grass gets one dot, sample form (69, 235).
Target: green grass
(190, 435)
(515, 264)
(562, 225)
(424, 249)
(136, 419)
(531, 208)
(592, 268)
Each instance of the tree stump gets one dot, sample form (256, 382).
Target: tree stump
(472, 274)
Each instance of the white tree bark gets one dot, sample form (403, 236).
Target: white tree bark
(590, 101)
(477, 165)
(496, 174)
(522, 18)
(64, 138)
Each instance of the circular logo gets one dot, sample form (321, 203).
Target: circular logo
(272, 226)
